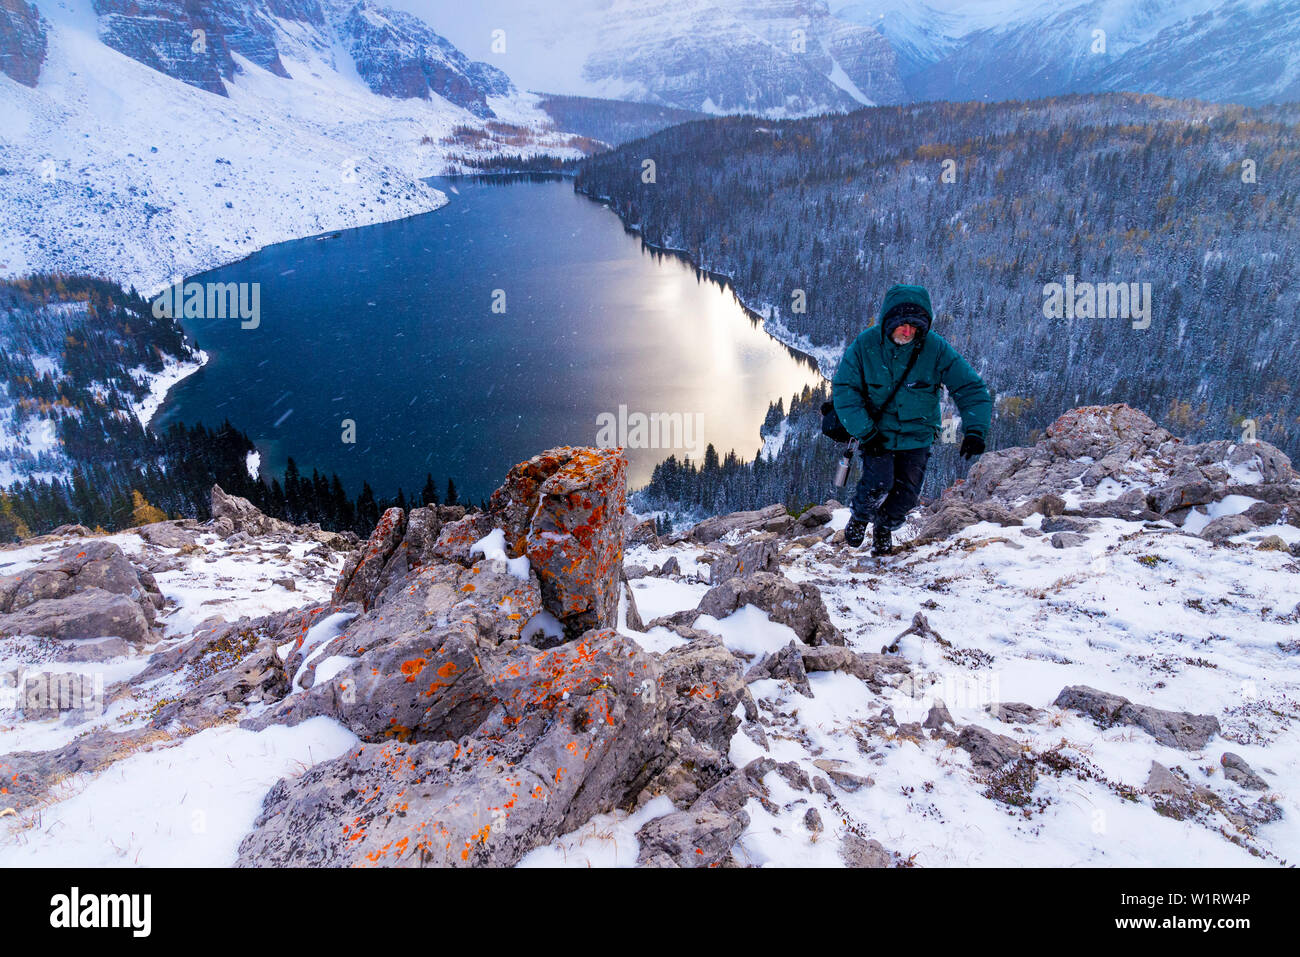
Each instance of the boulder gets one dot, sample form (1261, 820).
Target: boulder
(1094, 431)
(240, 515)
(1236, 770)
(1174, 729)
(712, 529)
(858, 851)
(570, 733)
(1225, 527)
(169, 534)
(798, 605)
(988, 751)
(564, 510)
(90, 613)
(786, 663)
(1068, 540)
(1160, 780)
(1271, 462)
(361, 575)
(456, 538)
(754, 555)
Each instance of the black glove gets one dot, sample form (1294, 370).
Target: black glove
(971, 446)
(875, 445)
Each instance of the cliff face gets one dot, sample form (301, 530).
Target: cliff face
(22, 40)
(398, 55)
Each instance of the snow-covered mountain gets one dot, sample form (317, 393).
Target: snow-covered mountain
(740, 55)
(774, 57)
(1242, 51)
(132, 150)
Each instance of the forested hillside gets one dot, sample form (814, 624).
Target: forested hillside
(76, 359)
(988, 204)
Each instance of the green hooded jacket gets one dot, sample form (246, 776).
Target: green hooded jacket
(873, 363)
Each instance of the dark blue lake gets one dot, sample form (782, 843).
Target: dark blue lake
(392, 327)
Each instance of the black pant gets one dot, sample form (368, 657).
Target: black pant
(890, 487)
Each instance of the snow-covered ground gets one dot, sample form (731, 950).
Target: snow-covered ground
(1143, 610)
(1162, 618)
(118, 170)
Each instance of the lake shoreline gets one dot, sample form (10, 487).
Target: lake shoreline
(583, 271)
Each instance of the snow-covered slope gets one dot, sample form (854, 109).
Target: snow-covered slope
(116, 168)
(1244, 51)
(773, 57)
(1071, 679)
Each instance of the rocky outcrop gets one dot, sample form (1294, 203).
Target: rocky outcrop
(560, 735)
(22, 41)
(796, 604)
(398, 55)
(771, 518)
(86, 591)
(1175, 729)
(1162, 476)
(564, 511)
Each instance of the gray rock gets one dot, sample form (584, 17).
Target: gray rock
(670, 567)
(858, 851)
(693, 838)
(813, 821)
(814, 517)
(360, 578)
(91, 613)
(1226, 526)
(1236, 769)
(241, 515)
(758, 555)
(1273, 464)
(1175, 729)
(1068, 540)
(633, 612)
(1160, 780)
(937, 717)
(798, 605)
(711, 529)
(570, 735)
(169, 534)
(786, 663)
(988, 751)
(1066, 523)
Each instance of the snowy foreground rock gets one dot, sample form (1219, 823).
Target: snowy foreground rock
(1086, 653)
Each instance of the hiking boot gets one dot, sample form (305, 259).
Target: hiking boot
(855, 532)
(882, 542)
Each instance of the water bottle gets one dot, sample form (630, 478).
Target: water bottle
(842, 472)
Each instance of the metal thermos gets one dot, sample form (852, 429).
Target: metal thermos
(842, 473)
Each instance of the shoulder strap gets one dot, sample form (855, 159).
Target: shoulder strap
(876, 413)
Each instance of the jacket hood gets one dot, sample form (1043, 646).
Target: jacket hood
(906, 303)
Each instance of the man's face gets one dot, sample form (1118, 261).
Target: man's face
(904, 334)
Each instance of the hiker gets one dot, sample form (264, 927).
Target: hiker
(886, 394)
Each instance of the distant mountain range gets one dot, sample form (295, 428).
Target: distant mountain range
(1238, 51)
(787, 58)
